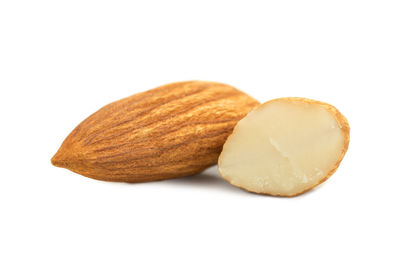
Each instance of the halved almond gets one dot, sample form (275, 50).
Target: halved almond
(285, 147)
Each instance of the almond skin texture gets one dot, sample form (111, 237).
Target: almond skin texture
(285, 147)
(171, 131)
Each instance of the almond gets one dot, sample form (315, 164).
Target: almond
(171, 131)
(285, 147)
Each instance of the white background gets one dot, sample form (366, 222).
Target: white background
(62, 60)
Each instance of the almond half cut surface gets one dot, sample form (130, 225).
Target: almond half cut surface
(285, 147)
(171, 131)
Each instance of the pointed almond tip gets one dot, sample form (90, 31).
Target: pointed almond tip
(66, 158)
(59, 160)
(56, 161)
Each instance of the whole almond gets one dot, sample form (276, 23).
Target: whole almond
(171, 131)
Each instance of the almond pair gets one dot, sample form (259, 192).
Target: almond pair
(283, 147)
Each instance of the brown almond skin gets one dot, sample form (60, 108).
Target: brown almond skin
(171, 131)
